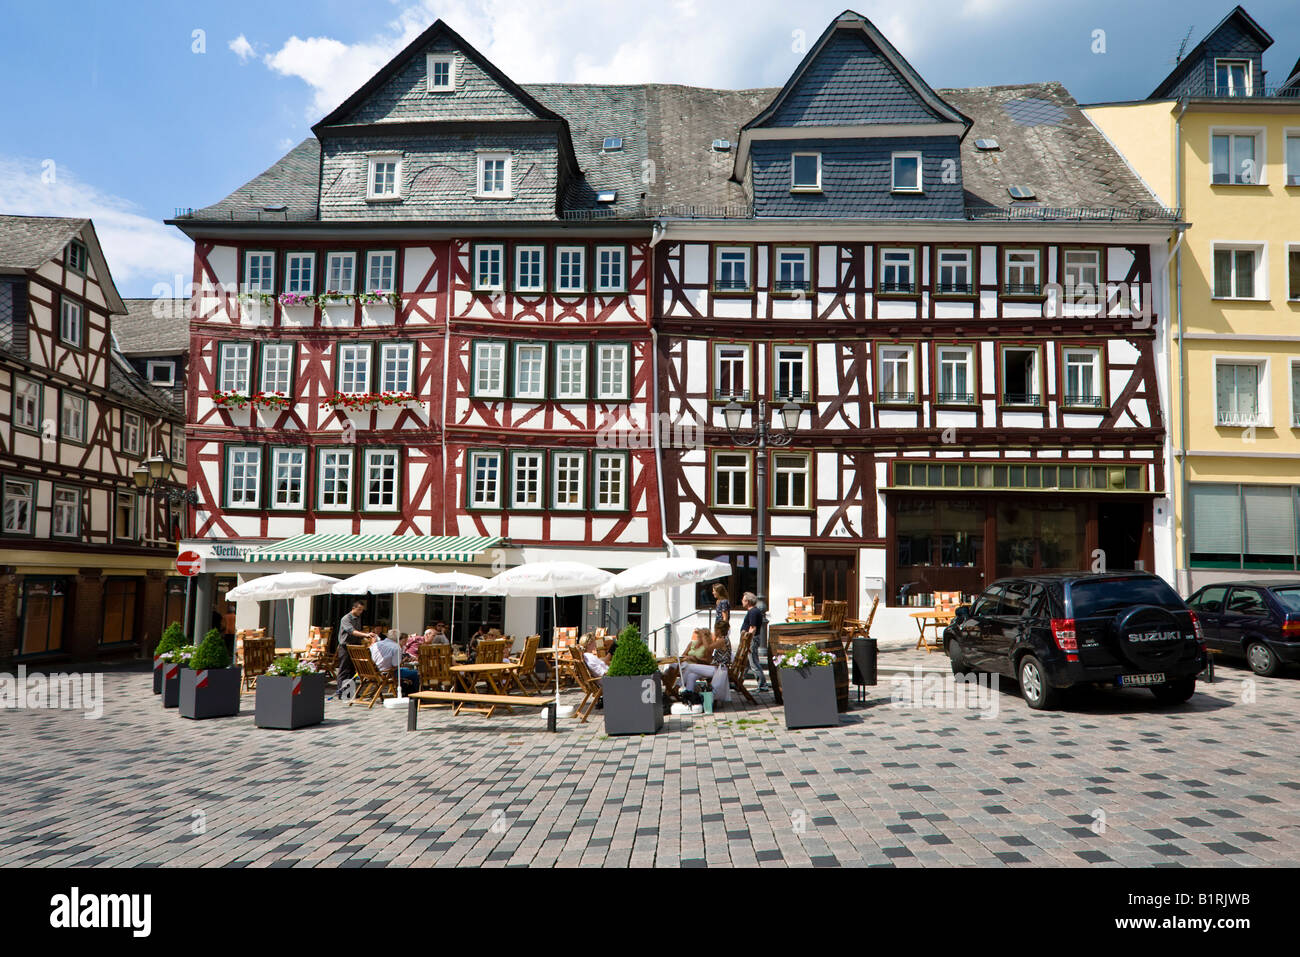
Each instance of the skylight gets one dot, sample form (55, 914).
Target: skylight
(612, 144)
(1020, 192)
(607, 196)
(722, 146)
(987, 145)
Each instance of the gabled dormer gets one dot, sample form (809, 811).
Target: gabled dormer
(440, 133)
(1229, 62)
(855, 132)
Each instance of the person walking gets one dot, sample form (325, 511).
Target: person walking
(753, 627)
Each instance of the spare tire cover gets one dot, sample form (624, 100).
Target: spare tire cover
(1149, 637)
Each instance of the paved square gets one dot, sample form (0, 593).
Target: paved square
(1113, 781)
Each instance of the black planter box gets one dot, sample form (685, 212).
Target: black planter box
(169, 677)
(213, 693)
(158, 666)
(626, 710)
(809, 697)
(290, 702)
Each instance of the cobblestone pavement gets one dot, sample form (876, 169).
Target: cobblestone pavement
(1112, 780)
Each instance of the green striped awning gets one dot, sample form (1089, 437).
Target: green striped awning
(376, 548)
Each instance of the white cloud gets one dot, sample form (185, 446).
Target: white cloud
(141, 251)
(242, 48)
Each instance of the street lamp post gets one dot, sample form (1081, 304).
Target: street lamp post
(763, 436)
(155, 470)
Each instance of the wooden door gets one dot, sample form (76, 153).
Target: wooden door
(833, 576)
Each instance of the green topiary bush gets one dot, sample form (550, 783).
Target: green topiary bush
(173, 637)
(211, 653)
(632, 656)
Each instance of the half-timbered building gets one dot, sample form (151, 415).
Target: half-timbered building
(86, 556)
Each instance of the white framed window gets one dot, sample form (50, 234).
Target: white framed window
(1293, 158)
(489, 271)
(1295, 393)
(125, 518)
(571, 370)
(494, 175)
(489, 370)
(1293, 272)
(731, 269)
(1237, 157)
(1240, 392)
(288, 478)
(234, 366)
(906, 173)
(897, 375)
(956, 375)
(731, 479)
(1021, 384)
(65, 515)
(259, 272)
(567, 479)
(956, 269)
(530, 370)
(1082, 269)
(530, 269)
(334, 476)
(384, 176)
(132, 433)
(805, 172)
(484, 476)
(1232, 77)
(78, 257)
(381, 271)
(1022, 272)
(613, 371)
(731, 371)
(72, 319)
(792, 272)
(610, 485)
(277, 368)
(160, 371)
(790, 480)
(300, 273)
(1240, 271)
(898, 270)
(341, 273)
(611, 269)
(354, 368)
(382, 483)
(1082, 370)
(178, 445)
(570, 269)
(396, 367)
(790, 379)
(72, 419)
(19, 507)
(527, 479)
(27, 404)
(440, 73)
(243, 476)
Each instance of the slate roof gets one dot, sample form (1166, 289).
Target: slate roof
(128, 384)
(28, 242)
(153, 327)
(293, 182)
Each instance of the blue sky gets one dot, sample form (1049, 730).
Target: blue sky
(135, 115)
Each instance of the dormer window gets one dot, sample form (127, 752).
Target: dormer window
(1232, 78)
(441, 73)
(77, 257)
(907, 173)
(384, 180)
(494, 175)
(806, 173)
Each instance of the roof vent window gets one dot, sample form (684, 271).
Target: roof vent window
(612, 144)
(607, 196)
(989, 145)
(1021, 193)
(722, 146)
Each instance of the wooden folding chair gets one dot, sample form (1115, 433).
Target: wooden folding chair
(320, 653)
(856, 627)
(491, 651)
(588, 684)
(369, 677)
(834, 613)
(524, 668)
(434, 665)
(801, 608)
(740, 667)
(259, 653)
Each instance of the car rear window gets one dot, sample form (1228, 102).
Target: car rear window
(1101, 596)
(1290, 598)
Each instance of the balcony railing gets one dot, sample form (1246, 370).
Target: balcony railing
(1083, 401)
(898, 287)
(728, 395)
(791, 285)
(1023, 289)
(955, 288)
(731, 285)
(1213, 92)
(897, 398)
(957, 398)
(1238, 420)
(785, 395)
(1019, 398)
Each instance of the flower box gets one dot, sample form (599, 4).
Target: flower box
(809, 696)
(171, 684)
(291, 702)
(633, 704)
(211, 693)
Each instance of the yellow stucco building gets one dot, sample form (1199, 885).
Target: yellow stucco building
(1221, 143)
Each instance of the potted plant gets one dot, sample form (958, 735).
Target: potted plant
(290, 695)
(808, 688)
(633, 689)
(173, 637)
(210, 686)
(174, 663)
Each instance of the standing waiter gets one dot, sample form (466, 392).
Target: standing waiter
(348, 631)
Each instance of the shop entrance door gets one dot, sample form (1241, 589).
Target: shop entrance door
(833, 576)
(1119, 534)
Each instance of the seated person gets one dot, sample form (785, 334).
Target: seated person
(411, 643)
(387, 655)
(440, 635)
(714, 667)
(598, 665)
(697, 651)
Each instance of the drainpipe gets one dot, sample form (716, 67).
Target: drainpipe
(1183, 569)
(655, 436)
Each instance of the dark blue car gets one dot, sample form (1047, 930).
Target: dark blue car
(1258, 621)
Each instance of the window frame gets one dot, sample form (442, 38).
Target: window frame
(625, 479)
(177, 444)
(304, 490)
(715, 371)
(67, 303)
(1100, 374)
(248, 286)
(579, 456)
(119, 496)
(364, 505)
(327, 283)
(774, 271)
(322, 451)
(373, 159)
(1293, 272)
(894, 158)
(542, 393)
(806, 350)
(1040, 377)
(559, 255)
(556, 378)
(482, 158)
(748, 485)
(477, 250)
(222, 348)
(1250, 76)
(476, 347)
(906, 399)
(1292, 178)
(807, 472)
(795, 185)
(66, 395)
(1260, 159)
(972, 287)
(914, 266)
(148, 372)
(972, 376)
(78, 499)
(71, 258)
(227, 460)
(623, 252)
(1260, 278)
(749, 260)
(625, 393)
(36, 427)
(1263, 391)
(276, 345)
(1009, 290)
(542, 478)
(517, 285)
(368, 346)
(380, 373)
(289, 258)
(137, 447)
(1068, 296)
(471, 455)
(1294, 368)
(31, 498)
(432, 59)
(373, 254)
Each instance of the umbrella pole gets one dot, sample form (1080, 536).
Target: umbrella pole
(555, 622)
(399, 645)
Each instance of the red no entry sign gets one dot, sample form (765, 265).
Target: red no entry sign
(189, 564)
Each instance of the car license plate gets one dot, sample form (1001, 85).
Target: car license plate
(1133, 681)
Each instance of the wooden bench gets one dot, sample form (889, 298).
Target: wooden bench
(493, 701)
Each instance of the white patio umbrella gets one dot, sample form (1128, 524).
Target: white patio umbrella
(453, 584)
(390, 580)
(553, 579)
(285, 585)
(662, 574)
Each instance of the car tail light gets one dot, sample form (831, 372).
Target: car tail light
(1063, 634)
(1291, 628)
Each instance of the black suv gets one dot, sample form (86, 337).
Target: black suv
(1051, 632)
(1259, 621)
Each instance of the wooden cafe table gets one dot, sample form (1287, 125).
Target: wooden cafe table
(468, 676)
(931, 618)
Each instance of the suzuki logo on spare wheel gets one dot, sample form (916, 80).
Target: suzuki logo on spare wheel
(189, 564)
